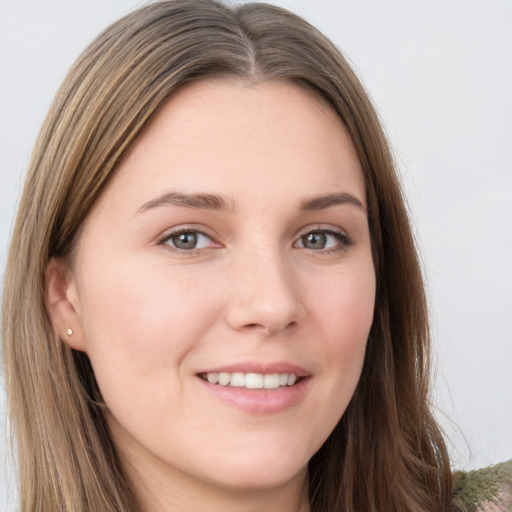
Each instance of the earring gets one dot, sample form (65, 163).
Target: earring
(69, 332)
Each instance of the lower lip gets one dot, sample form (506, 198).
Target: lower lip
(259, 401)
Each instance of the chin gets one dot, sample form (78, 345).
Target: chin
(253, 482)
(262, 474)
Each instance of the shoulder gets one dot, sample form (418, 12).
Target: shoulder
(484, 490)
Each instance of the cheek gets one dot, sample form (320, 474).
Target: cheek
(344, 316)
(346, 304)
(139, 326)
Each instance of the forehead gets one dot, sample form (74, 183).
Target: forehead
(233, 137)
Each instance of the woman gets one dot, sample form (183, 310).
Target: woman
(213, 298)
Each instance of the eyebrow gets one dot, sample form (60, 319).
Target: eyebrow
(217, 203)
(327, 200)
(194, 201)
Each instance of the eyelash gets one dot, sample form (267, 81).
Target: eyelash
(170, 235)
(344, 241)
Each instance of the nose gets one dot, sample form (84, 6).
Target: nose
(265, 295)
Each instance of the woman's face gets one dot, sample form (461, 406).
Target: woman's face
(223, 286)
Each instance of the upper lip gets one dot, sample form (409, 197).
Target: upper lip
(259, 367)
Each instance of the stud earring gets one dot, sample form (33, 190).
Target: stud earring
(69, 332)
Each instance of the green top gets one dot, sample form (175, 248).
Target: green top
(484, 490)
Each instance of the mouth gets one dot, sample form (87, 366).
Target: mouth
(257, 387)
(251, 380)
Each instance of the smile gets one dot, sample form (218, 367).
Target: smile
(251, 380)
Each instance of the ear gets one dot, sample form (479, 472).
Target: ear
(63, 303)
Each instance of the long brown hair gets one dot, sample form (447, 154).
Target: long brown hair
(387, 452)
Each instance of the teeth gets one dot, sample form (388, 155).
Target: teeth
(237, 380)
(252, 380)
(213, 378)
(271, 381)
(224, 379)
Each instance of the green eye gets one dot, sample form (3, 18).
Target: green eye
(188, 240)
(315, 240)
(324, 240)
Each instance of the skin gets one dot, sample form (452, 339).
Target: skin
(151, 316)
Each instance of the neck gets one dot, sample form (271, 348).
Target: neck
(161, 488)
(179, 493)
(164, 487)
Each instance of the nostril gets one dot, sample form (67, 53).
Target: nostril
(268, 328)
(253, 327)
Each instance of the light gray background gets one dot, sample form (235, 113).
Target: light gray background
(440, 73)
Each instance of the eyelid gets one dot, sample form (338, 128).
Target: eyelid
(344, 239)
(186, 228)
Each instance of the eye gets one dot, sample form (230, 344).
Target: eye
(323, 239)
(188, 240)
